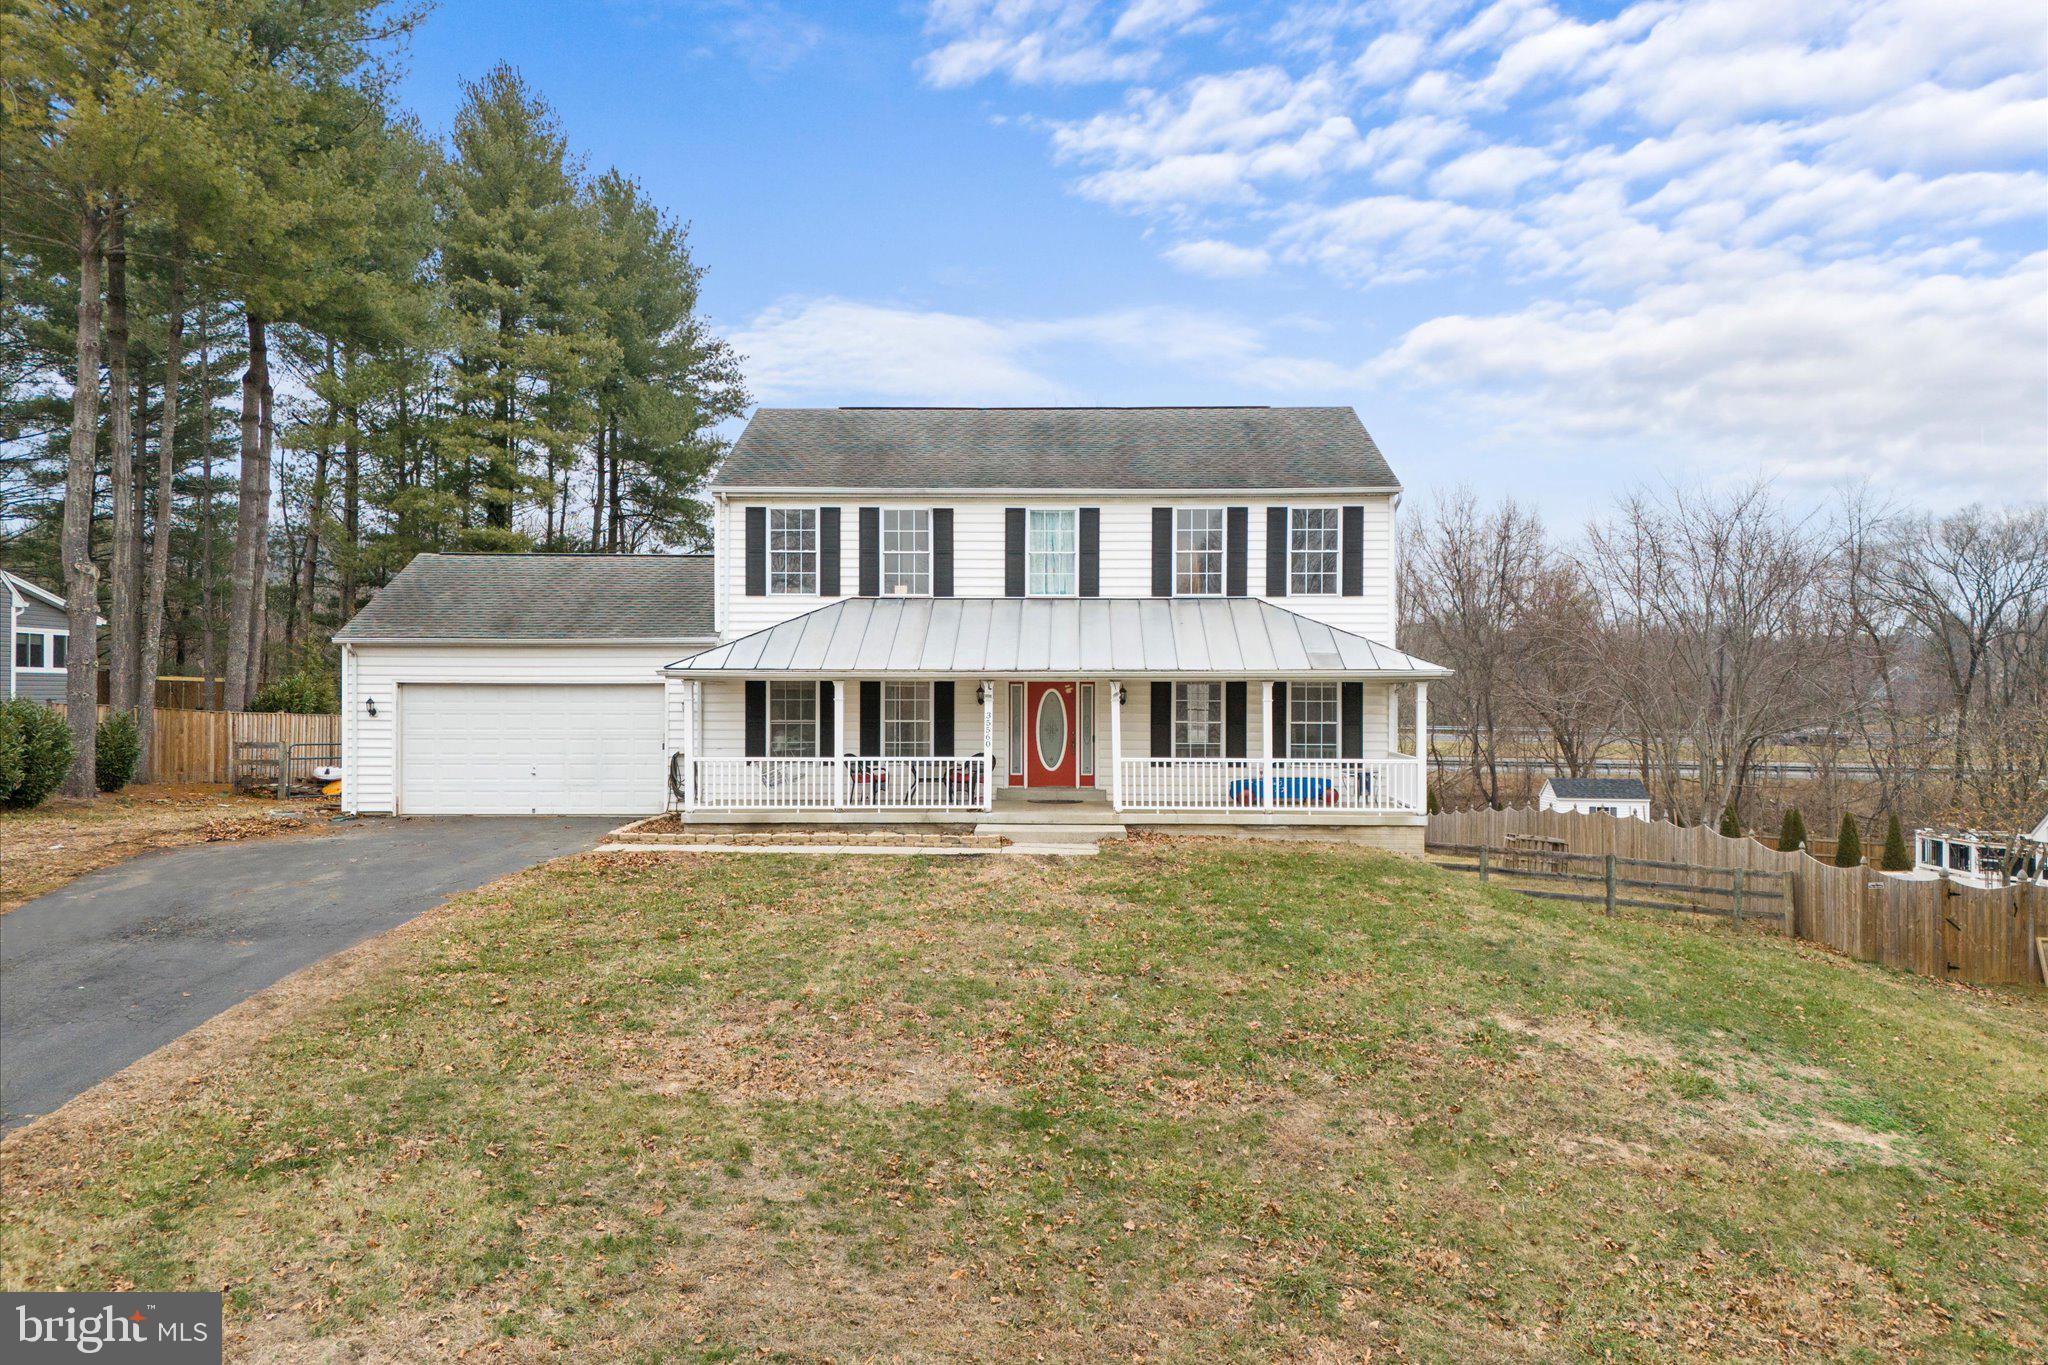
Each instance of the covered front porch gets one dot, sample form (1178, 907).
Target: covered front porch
(770, 730)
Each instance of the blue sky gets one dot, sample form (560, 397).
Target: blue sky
(1552, 250)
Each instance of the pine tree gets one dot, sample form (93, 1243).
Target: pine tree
(1848, 844)
(1730, 826)
(1791, 831)
(1896, 858)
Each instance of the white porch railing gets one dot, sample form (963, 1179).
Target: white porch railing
(1273, 784)
(839, 783)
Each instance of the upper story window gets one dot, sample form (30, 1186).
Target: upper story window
(1314, 540)
(41, 649)
(1197, 551)
(1198, 720)
(907, 719)
(907, 551)
(1052, 553)
(793, 550)
(792, 719)
(1312, 720)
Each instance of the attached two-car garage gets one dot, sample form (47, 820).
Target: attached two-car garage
(529, 749)
(519, 684)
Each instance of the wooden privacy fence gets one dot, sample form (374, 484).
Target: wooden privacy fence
(1930, 926)
(199, 746)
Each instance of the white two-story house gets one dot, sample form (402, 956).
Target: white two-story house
(918, 614)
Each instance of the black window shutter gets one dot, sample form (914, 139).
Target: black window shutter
(827, 739)
(870, 717)
(828, 552)
(870, 552)
(757, 718)
(1162, 552)
(1351, 720)
(1091, 552)
(1013, 552)
(942, 552)
(1276, 552)
(1278, 720)
(1354, 551)
(757, 551)
(942, 719)
(1162, 720)
(1233, 720)
(1237, 548)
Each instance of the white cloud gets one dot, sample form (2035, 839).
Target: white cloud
(1809, 227)
(1039, 42)
(832, 348)
(1219, 260)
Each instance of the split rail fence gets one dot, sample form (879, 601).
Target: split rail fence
(201, 746)
(1929, 926)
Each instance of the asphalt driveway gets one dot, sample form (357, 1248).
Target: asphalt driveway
(120, 962)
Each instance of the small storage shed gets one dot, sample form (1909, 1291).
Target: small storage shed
(1623, 796)
(518, 684)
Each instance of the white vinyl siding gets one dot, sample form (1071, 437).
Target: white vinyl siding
(1125, 554)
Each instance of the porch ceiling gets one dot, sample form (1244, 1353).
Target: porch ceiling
(953, 637)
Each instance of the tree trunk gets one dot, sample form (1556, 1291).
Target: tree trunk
(597, 503)
(351, 508)
(209, 647)
(160, 541)
(255, 491)
(81, 579)
(259, 600)
(123, 569)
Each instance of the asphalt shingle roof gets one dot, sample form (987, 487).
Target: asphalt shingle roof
(1054, 448)
(1599, 789)
(542, 597)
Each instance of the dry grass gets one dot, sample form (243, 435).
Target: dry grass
(1189, 1100)
(62, 839)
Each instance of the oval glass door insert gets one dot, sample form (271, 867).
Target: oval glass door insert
(1052, 730)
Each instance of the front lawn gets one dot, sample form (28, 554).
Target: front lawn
(1188, 1100)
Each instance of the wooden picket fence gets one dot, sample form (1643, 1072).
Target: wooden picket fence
(1929, 926)
(199, 746)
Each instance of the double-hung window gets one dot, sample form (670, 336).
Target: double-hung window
(1314, 538)
(792, 719)
(907, 551)
(1052, 552)
(1197, 551)
(793, 550)
(1198, 720)
(1312, 720)
(907, 720)
(41, 650)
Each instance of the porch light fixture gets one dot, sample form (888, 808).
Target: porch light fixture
(981, 694)
(370, 705)
(1122, 694)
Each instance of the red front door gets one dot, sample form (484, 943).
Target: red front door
(1049, 733)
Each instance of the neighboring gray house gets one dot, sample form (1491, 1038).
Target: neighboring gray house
(1626, 797)
(36, 641)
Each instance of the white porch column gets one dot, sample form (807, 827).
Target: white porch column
(1422, 746)
(838, 767)
(988, 743)
(1116, 745)
(1266, 743)
(689, 744)
(1393, 720)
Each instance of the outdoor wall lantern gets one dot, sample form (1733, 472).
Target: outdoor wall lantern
(1123, 694)
(981, 694)
(370, 705)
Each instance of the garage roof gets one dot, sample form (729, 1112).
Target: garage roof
(1055, 448)
(1070, 637)
(541, 597)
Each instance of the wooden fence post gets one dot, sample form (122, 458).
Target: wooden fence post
(1482, 862)
(1791, 912)
(1610, 883)
(1738, 898)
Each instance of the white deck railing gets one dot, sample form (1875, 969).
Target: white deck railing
(1275, 784)
(839, 783)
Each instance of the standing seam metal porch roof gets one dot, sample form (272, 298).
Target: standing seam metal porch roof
(1054, 637)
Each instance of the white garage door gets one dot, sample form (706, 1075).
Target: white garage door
(475, 749)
